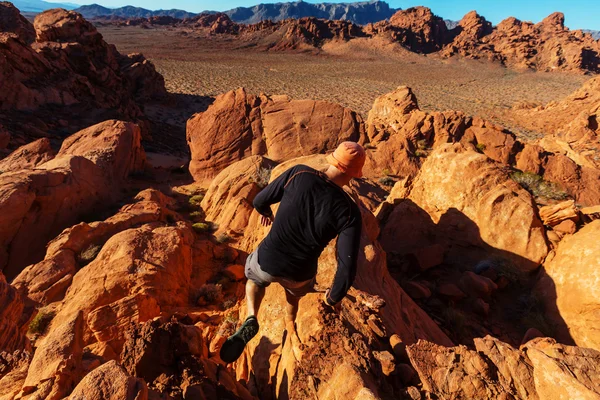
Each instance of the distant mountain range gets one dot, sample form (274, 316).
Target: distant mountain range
(96, 10)
(595, 34)
(359, 13)
(37, 6)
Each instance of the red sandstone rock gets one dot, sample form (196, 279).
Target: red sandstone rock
(569, 287)
(110, 382)
(90, 166)
(56, 365)
(473, 201)
(29, 156)
(238, 125)
(423, 32)
(228, 201)
(12, 331)
(11, 21)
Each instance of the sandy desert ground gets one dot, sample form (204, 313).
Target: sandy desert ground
(352, 75)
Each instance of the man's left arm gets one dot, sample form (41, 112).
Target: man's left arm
(347, 256)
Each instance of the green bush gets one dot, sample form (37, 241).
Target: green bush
(422, 144)
(420, 153)
(387, 181)
(203, 227)
(223, 238)
(196, 215)
(538, 187)
(40, 322)
(386, 172)
(196, 200)
(89, 254)
(480, 147)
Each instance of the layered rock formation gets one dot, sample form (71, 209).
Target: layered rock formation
(67, 79)
(239, 124)
(88, 170)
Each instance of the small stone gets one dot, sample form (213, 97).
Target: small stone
(531, 333)
(430, 256)
(451, 291)
(398, 347)
(567, 227)
(417, 290)
(481, 307)
(386, 359)
(477, 285)
(376, 325)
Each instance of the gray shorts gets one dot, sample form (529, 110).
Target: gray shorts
(263, 279)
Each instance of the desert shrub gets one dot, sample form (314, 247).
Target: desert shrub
(227, 304)
(420, 153)
(455, 320)
(480, 147)
(530, 311)
(195, 200)
(88, 254)
(538, 187)
(422, 144)
(503, 267)
(40, 322)
(204, 227)
(370, 146)
(196, 215)
(387, 181)
(209, 294)
(386, 172)
(232, 317)
(262, 176)
(223, 238)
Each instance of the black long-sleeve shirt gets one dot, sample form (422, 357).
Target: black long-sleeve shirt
(312, 212)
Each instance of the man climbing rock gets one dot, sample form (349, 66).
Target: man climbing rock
(313, 210)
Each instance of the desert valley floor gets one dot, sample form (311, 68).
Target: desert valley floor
(352, 75)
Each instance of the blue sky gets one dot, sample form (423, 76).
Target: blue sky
(584, 14)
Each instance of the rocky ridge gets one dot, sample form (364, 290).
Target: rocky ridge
(545, 46)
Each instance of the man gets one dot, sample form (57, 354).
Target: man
(313, 210)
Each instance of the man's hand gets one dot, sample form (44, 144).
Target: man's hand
(266, 221)
(337, 307)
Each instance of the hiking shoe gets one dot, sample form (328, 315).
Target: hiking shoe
(234, 346)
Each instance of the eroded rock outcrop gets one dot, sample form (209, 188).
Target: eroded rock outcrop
(470, 207)
(12, 21)
(12, 331)
(541, 369)
(87, 83)
(239, 124)
(569, 286)
(110, 381)
(86, 171)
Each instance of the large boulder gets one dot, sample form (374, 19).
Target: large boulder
(477, 209)
(88, 171)
(56, 365)
(570, 287)
(238, 125)
(423, 31)
(542, 369)
(110, 381)
(228, 201)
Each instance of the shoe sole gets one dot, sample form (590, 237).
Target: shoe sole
(232, 349)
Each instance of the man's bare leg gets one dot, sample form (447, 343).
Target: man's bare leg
(254, 296)
(290, 323)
